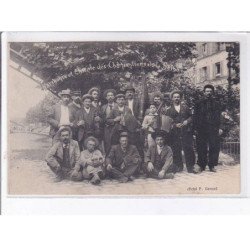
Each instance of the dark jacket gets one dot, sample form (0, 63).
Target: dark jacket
(116, 156)
(136, 108)
(90, 127)
(207, 114)
(166, 156)
(184, 115)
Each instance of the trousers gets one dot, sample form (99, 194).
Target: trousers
(183, 142)
(208, 147)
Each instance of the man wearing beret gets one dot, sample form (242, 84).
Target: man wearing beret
(181, 133)
(87, 120)
(61, 114)
(207, 123)
(123, 159)
(159, 158)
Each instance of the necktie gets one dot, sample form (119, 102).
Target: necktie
(66, 157)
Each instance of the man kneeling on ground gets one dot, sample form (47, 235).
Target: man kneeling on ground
(91, 161)
(63, 156)
(123, 160)
(159, 158)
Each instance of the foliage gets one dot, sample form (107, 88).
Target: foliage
(40, 112)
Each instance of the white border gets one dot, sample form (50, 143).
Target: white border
(122, 204)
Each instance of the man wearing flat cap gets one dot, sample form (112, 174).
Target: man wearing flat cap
(61, 114)
(106, 109)
(159, 158)
(181, 133)
(123, 159)
(87, 120)
(207, 124)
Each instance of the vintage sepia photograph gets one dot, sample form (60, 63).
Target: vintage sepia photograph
(141, 118)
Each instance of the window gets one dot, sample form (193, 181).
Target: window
(217, 69)
(203, 74)
(204, 48)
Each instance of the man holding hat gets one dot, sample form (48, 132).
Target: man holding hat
(182, 133)
(62, 114)
(106, 109)
(123, 159)
(87, 120)
(207, 123)
(159, 158)
(64, 156)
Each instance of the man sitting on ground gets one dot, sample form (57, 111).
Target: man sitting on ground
(123, 159)
(91, 161)
(159, 158)
(63, 156)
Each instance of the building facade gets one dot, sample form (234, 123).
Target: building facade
(211, 65)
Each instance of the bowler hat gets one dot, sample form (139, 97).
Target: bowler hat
(119, 96)
(123, 134)
(176, 92)
(87, 96)
(158, 133)
(130, 88)
(209, 86)
(65, 92)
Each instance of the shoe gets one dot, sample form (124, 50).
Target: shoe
(169, 176)
(193, 172)
(131, 178)
(95, 180)
(123, 179)
(212, 170)
(58, 178)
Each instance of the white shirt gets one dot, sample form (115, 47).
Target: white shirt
(121, 108)
(87, 110)
(159, 149)
(130, 105)
(64, 120)
(177, 108)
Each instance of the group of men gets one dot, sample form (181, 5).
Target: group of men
(118, 140)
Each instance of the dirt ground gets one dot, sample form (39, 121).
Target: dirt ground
(28, 174)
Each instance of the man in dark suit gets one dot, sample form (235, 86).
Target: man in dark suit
(61, 115)
(133, 103)
(159, 158)
(106, 109)
(63, 156)
(181, 133)
(207, 124)
(121, 118)
(123, 159)
(87, 120)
